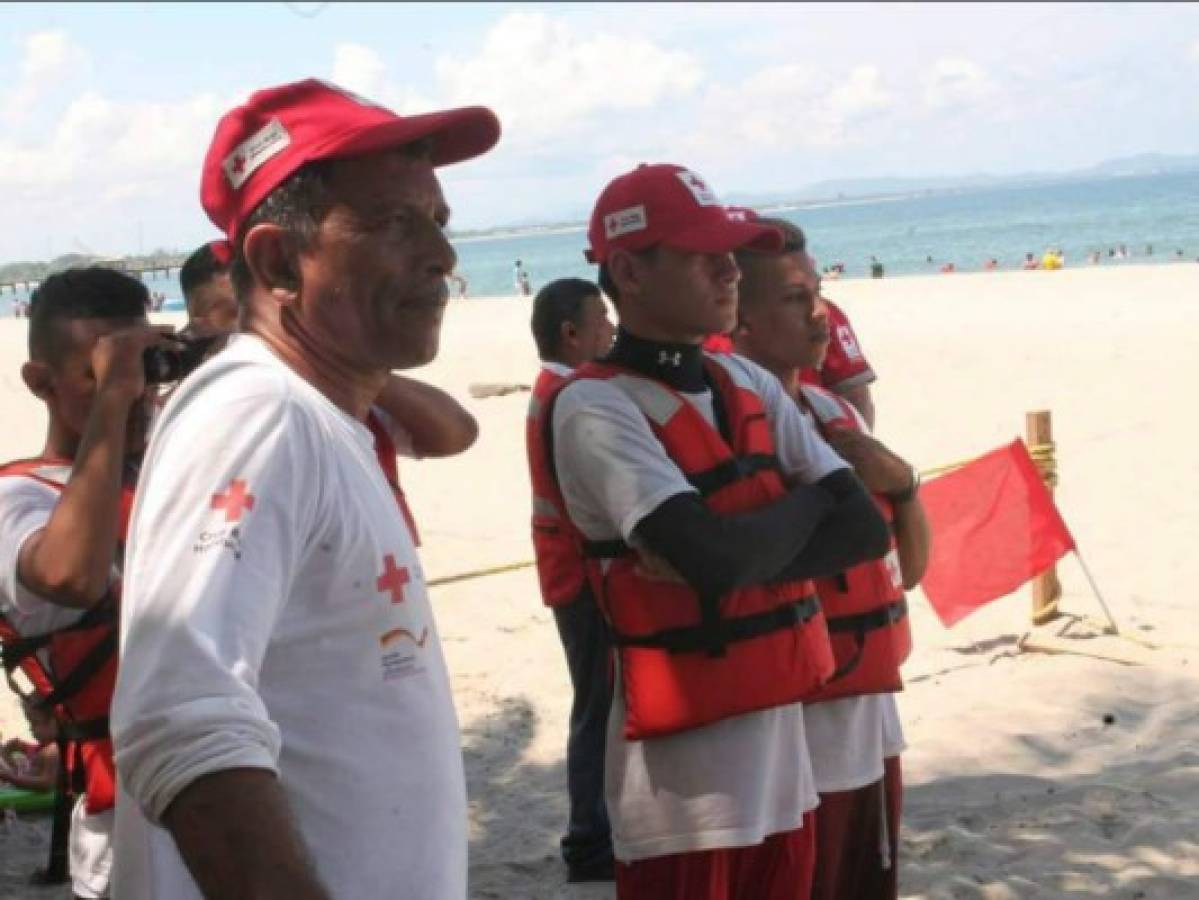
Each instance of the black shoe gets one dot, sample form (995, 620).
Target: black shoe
(602, 870)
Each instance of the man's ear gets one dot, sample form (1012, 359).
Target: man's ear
(39, 378)
(568, 332)
(270, 255)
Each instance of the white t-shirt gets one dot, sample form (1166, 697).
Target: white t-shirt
(25, 507)
(848, 739)
(732, 783)
(276, 616)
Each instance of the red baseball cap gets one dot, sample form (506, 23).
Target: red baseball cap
(258, 145)
(667, 204)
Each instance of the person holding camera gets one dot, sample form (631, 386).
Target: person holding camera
(63, 514)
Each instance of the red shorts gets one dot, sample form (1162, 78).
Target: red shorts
(851, 833)
(779, 868)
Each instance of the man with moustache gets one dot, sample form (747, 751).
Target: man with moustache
(853, 727)
(704, 502)
(276, 609)
(62, 524)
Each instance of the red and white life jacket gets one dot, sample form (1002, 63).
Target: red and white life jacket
(72, 669)
(866, 608)
(556, 545)
(686, 660)
(385, 451)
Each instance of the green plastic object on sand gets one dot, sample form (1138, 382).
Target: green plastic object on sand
(26, 801)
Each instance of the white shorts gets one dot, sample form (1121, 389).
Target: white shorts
(91, 851)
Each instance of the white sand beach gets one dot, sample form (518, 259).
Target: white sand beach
(1028, 775)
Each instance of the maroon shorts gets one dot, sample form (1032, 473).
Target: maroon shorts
(851, 834)
(779, 868)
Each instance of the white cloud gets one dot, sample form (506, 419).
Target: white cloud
(48, 58)
(360, 69)
(954, 82)
(787, 107)
(544, 80)
(1195, 51)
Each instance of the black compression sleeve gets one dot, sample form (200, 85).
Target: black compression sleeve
(715, 554)
(852, 533)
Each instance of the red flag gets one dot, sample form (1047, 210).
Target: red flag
(994, 526)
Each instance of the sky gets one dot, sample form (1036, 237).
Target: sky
(106, 110)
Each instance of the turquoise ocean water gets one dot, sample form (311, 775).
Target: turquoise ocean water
(967, 228)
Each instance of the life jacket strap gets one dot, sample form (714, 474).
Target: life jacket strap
(87, 730)
(612, 549)
(883, 617)
(698, 638)
(731, 471)
(862, 624)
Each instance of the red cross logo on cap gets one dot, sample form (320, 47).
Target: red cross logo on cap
(234, 501)
(393, 579)
(695, 182)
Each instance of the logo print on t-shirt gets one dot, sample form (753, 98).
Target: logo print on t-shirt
(848, 344)
(234, 501)
(393, 579)
(401, 635)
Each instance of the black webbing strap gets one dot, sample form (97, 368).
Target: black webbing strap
(731, 471)
(861, 625)
(870, 621)
(613, 549)
(695, 638)
(14, 651)
(88, 730)
(67, 687)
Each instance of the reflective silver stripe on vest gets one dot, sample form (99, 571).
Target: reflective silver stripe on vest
(58, 474)
(656, 401)
(826, 408)
(545, 508)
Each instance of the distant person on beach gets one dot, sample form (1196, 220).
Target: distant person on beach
(948, 268)
(1030, 262)
(876, 268)
(208, 289)
(305, 744)
(524, 286)
(708, 779)
(63, 516)
(991, 264)
(570, 327)
(853, 728)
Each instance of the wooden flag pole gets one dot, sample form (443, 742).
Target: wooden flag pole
(1046, 588)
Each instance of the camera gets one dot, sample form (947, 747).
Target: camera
(164, 365)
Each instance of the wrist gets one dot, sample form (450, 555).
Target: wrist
(907, 494)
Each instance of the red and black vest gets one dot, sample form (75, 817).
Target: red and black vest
(386, 453)
(72, 670)
(866, 608)
(556, 545)
(688, 660)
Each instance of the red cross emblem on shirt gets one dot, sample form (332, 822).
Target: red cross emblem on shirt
(393, 579)
(234, 501)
